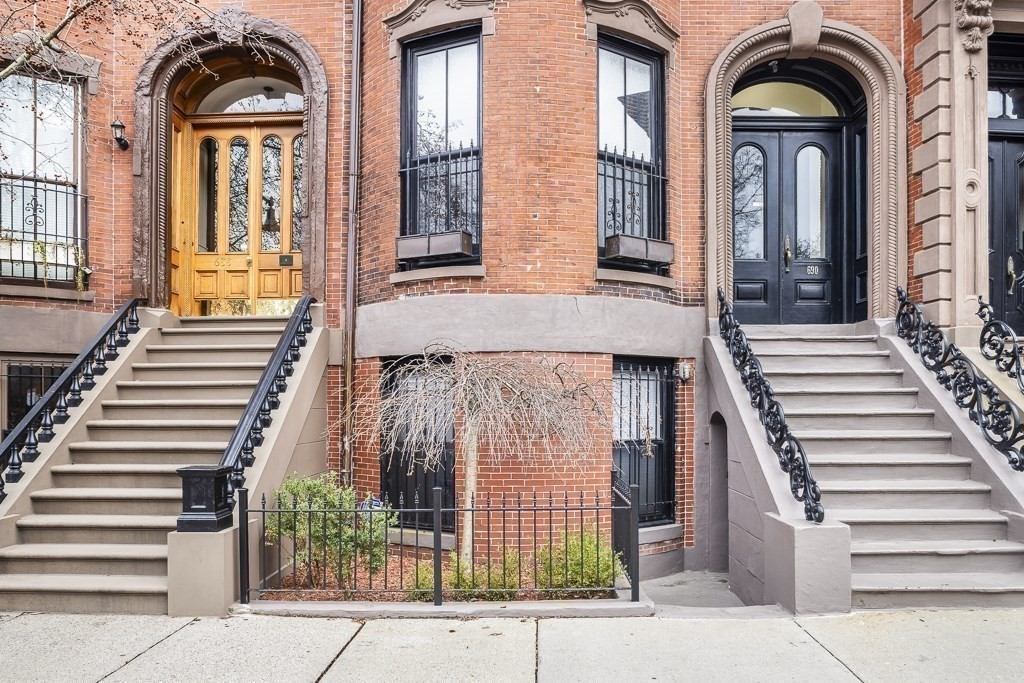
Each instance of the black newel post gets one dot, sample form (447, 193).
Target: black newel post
(243, 545)
(634, 542)
(437, 546)
(204, 498)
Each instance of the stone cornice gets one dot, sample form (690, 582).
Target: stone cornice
(636, 18)
(423, 16)
(62, 62)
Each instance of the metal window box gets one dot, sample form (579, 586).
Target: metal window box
(436, 245)
(628, 248)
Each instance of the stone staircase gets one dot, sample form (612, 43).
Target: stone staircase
(96, 541)
(923, 533)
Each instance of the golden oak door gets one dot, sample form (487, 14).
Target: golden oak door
(243, 251)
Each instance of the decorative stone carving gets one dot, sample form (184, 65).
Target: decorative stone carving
(423, 16)
(805, 17)
(636, 18)
(231, 23)
(974, 19)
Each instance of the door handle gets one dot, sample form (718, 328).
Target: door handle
(248, 262)
(787, 255)
(1011, 273)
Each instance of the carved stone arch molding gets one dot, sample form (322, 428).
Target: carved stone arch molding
(804, 33)
(632, 18)
(157, 76)
(424, 16)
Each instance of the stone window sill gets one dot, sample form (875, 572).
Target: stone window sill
(661, 533)
(437, 273)
(633, 277)
(47, 293)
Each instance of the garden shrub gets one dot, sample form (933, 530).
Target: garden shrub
(578, 560)
(500, 575)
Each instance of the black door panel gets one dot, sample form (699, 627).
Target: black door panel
(1006, 229)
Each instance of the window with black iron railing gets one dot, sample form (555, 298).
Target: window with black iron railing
(441, 193)
(42, 234)
(631, 191)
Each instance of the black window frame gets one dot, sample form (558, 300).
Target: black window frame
(411, 165)
(657, 506)
(653, 168)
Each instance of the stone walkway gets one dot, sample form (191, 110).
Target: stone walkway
(875, 646)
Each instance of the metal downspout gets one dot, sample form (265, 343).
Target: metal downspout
(352, 246)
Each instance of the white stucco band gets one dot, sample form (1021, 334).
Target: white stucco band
(530, 322)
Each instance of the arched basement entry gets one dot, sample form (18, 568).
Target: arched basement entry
(292, 63)
(799, 242)
(805, 34)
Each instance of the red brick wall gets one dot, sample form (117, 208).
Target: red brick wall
(915, 86)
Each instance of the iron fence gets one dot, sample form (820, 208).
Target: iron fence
(631, 196)
(441, 193)
(22, 382)
(42, 230)
(526, 546)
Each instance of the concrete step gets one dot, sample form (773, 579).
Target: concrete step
(258, 321)
(146, 529)
(116, 476)
(800, 331)
(161, 430)
(895, 493)
(84, 558)
(107, 501)
(894, 466)
(860, 441)
(83, 593)
(828, 416)
(838, 380)
(767, 343)
(890, 557)
(209, 353)
(147, 453)
(220, 335)
(183, 409)
(181, 390)
(974, 589)
(814, 358)
(204, 371)
(892, 398)
(920, 525)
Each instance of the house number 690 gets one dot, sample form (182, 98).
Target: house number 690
(813, 270)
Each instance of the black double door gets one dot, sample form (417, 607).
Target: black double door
(1006, 225)
(787, 219)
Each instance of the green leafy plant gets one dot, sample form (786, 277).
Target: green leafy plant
(39, 249)
(494, 580)
(578, 560)
(79, 270)
(328, 532)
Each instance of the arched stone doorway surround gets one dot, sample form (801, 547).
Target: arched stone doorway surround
(154, 85)
(804, 33)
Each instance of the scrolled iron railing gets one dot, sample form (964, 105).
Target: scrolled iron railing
(998, 419)
(1000, 345)
(38, 425)
(258, 414)
(788, 449)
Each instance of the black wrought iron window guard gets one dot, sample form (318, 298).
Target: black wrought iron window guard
(998, 419)
(790, 452)
(209, 491)
(441, 193)
(21, 445)
(631, 194)
(1000, 345)
(42, 231)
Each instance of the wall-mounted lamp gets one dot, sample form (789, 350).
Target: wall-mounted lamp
(685, 372)
(118, 128)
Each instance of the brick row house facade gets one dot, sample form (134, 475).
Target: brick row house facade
(572, 179)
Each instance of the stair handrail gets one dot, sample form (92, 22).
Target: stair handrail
(37, 426)
(999, 344)
(997, 418)
(788, 449)
(265, 399)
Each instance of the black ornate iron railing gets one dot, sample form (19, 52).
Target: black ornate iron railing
(266, 398)
(997, 418)
(631, 196)
(788, 449)
(441, 193)
(1000, 345)
(38, 426)
(42, 230)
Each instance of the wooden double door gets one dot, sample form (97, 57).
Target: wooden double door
(1006, 221)
(239, 225)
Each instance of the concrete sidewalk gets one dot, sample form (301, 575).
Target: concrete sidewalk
(874, 646)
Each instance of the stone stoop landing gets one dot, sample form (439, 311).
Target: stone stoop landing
(923, 532)
(97, 540)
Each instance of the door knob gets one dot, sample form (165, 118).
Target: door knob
(787, 255)
(1011, 273)
(248, 262)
